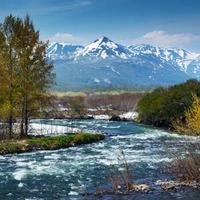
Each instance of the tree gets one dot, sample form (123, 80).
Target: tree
(190, 122)
(8, 64)
(78, 106)
(29, 72)
(35, 72)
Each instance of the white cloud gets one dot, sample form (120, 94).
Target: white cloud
(164, 39)
(64, 37)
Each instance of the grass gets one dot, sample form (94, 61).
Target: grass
(188, 168)
(68, 94)
(85, 93)
(185, 170)
(47, 142)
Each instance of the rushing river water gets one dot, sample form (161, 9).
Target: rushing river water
(68, 173)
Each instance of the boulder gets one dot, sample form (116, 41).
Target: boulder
(115, 118)
(140, 187)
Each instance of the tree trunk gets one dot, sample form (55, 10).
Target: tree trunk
(26, 117)
(22, 122)
(11, 95)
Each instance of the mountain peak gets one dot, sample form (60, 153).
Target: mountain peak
(103, 39)
(104, 48)
(102, 42)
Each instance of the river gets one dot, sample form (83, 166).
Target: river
(70, 173)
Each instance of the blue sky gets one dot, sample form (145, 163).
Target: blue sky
(167, 23)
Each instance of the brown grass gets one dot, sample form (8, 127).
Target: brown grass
(188, 168)
(185, 169)
(121, 181)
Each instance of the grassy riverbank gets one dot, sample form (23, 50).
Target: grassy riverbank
(47, 143)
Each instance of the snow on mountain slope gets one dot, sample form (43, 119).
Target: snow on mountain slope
(104, 48)
(177, 57)
(62, 50)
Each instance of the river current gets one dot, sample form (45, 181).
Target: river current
(68, 174)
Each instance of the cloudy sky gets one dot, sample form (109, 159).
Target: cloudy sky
(165, 23)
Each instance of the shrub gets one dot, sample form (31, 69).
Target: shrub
(187, 169)
(84, 138)
(78, 106)
(190, 123)
(165, 105)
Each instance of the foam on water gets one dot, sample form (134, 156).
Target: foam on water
(157, 134)
(19, 174)
(20, 185)
(76, 166)
(73, 193)
(73, 159)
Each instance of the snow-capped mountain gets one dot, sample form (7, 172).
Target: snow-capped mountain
(104, 48)
(104, 64)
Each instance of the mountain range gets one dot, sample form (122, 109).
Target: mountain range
(105, 64)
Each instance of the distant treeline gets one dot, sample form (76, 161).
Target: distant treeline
(80, 104)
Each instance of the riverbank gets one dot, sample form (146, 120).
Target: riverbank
(35, 143)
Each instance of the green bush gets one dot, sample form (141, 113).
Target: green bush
(165, 105)
(84, 138)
